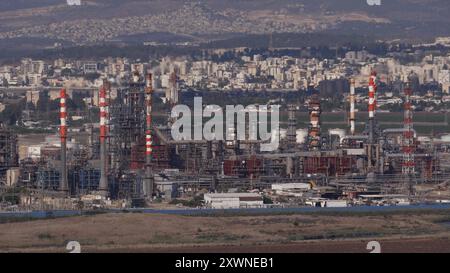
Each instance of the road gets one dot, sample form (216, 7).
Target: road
(251, 211)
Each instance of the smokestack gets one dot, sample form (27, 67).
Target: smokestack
(408, 135)
(352, 106)
(103, 185)
(372, 105)
(63, 183)
(148, 134)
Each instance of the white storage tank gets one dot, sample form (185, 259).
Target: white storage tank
(283, 133)
(337, 132)
(445, 138)
(301, 135)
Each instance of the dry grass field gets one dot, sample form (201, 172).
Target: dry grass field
(136, 232)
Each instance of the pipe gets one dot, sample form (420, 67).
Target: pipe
(352, 107)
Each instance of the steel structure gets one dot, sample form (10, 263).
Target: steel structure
(8, 150)
(128, 126)
(408, 167)
(314, 132)
(148, 137)
(292, 126)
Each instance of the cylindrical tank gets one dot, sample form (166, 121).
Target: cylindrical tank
(445, 138)
(337, 132)
(301, 135)
(283, 133)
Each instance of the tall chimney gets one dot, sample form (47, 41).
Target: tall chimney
(103, 185)
(148, 134)
(352, 106)
(372, 106)
(63, 183)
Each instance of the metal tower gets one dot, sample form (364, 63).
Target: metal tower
(408, 167)
(148, 136)
(292, 126)
(314, 133)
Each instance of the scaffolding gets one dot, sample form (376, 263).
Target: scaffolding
(8, 151)
(127, 127)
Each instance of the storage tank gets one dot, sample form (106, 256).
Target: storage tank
(301, 135)
(445, 138)
(283, 133)
(337, 132)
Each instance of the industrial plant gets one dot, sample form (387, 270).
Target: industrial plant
(129, 160)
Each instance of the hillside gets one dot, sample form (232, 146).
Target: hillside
(98, 21)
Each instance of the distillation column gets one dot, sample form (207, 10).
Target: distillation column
(292, 127)
(372, 145)
(314, 134)
(148, 136)
(408, 166)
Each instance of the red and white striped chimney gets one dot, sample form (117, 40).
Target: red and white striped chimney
(372, 95)
(352, 106)
(408, 135)
(63, 115)
(103, 185)
(63, 182)
(148, 133)
(102, 105)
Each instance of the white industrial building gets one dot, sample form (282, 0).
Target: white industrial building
(233, 200)
(326, 203)
(291, 189)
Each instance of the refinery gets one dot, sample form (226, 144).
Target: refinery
(128, 160)
(227, 127)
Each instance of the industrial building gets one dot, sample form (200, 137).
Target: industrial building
(233, 200)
